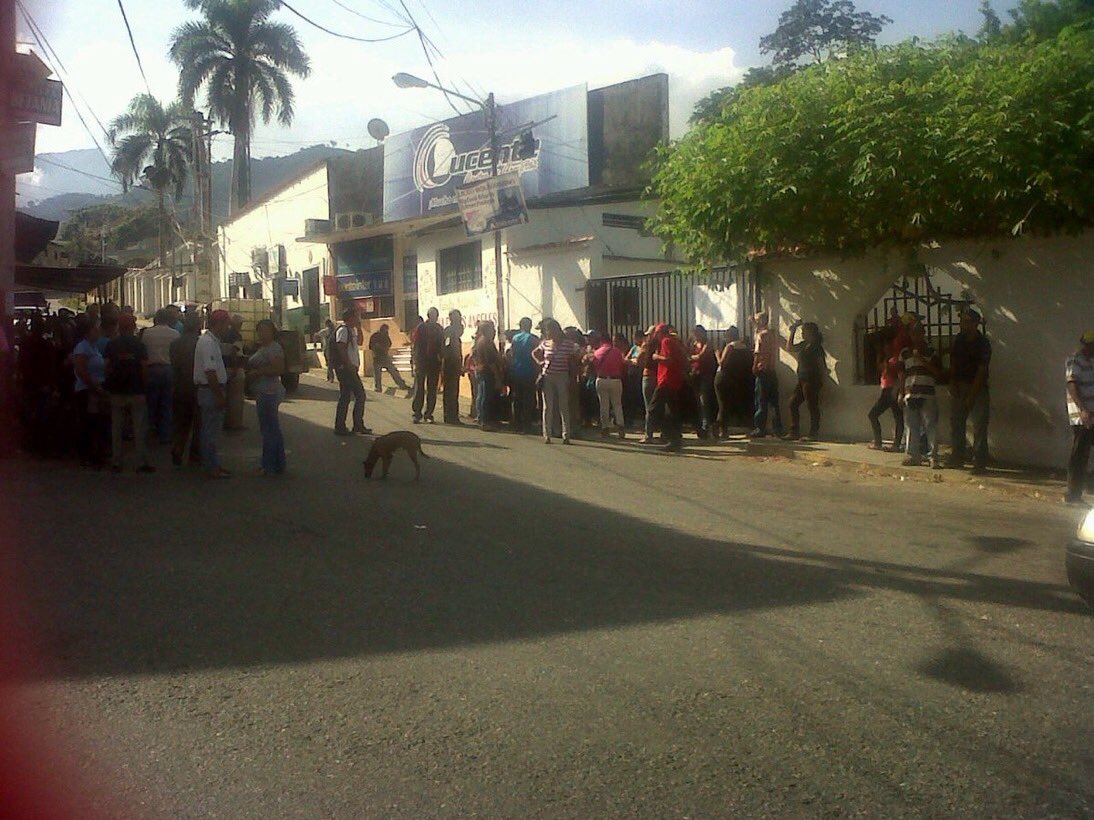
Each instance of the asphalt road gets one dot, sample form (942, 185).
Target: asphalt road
(577, 631)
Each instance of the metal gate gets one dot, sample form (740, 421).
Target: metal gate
(626, 304)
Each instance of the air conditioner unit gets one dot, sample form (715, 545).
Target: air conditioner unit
(314, 227)
(353, 219)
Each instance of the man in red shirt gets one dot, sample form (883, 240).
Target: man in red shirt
(609, 365)
(672, 360)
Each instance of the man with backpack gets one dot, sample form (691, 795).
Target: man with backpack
(346, 360)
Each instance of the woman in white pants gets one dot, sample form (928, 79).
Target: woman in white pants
(557, 357)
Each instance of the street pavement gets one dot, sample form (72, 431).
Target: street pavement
(549, 631)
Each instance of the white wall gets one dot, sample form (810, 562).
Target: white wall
(277, 221)
(545, 263)
(1037, 297)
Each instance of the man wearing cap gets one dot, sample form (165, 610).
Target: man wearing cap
(970, 356)
(211, 383)
(126, 378)
(1080, 412)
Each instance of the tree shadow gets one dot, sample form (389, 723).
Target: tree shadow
(237, 574)
(998, 544)
(969, 669)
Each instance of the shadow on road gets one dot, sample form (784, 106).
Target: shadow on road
(325, 564)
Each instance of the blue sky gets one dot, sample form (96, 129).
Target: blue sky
(514, 48)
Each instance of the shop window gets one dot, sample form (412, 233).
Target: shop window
(921, 294)
(459, 268)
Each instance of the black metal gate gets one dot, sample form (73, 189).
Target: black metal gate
(626, 304)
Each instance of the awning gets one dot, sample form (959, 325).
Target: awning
(79, 279)
(32, 235)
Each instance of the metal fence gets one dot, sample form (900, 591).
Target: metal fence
(626, 304)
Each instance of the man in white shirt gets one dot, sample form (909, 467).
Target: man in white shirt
(157, 341)
(347, 366)
(211, 383)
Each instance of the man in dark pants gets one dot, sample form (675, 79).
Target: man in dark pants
(453, 366)
(671, 359)
(347, 367)
(427, 342)
(185, 413)
(522, 376)
(970, 356)
(379, 344)
(1080, 411)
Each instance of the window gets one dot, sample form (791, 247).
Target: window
(921, 295)
(625, 305)
(459, 268)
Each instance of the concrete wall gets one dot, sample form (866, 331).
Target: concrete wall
(546, 263)
(277, 221)
(1036, 294)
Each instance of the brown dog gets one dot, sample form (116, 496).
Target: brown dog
(385, 446)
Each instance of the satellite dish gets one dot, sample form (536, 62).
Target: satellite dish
(378, 129)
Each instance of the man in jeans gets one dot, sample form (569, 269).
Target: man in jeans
(158, 393)
(522, 376)
(211, 383)
(347, 367)
(919, 374)
(671, 359)
(767, 383)
(970, 357)
(1080, 411)
(126, 375)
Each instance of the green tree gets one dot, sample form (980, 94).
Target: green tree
(712, 105)
(815, 30)
(990, 26)
(891, 145)
(243, 60)
(153, 143)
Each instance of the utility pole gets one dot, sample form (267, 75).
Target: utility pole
(7, 179)
(492, 126)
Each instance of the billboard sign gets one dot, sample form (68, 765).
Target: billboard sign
(424, 167)
(493, 203)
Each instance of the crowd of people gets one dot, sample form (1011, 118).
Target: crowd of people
(89, 385)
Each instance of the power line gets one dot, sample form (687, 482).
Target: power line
(365, 16)
(133, 45)
(346, 36)
(429, 59)
(49, 161)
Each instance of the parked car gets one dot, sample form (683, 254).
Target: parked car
(1080, 559)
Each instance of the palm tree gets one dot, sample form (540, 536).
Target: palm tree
(156, 146)
(244, 61)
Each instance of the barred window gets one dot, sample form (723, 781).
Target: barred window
(459, 268)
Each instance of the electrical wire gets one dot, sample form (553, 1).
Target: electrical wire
(133, 45)
(365, 16)
(346, 36)
(429, 59)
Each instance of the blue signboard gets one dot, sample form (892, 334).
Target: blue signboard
(364, 267)
(423, 168)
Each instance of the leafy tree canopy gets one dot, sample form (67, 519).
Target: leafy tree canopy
(956, 138)
(815, 30)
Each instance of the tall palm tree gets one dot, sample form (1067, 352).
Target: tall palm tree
(244, 61)
(154, 143)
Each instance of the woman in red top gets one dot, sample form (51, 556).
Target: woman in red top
(889, 363)
(671, 359)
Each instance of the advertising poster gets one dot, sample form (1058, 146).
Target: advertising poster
(494, 203)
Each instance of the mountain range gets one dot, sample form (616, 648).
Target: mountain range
(67, 181)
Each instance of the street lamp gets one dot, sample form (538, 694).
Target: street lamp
(404, 80)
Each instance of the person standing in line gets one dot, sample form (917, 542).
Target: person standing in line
(704, 367)
(649, 382)
(812, 368)
(347, 358)
(264, 369)
(211, 384)
(672, 364)
(452, 367)
(764, 361)
(486, 362)
(126, 377)
(1079, 373)
(92, 401)
(157, 341)
(894, 341)
(427, 343)
(970, 357)
(634, 405)
(610, 366)
(185, 413)
(326, 342)
(379, 344)
(921, 371)
(733, 382)
(522, 376)
(558, 358)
